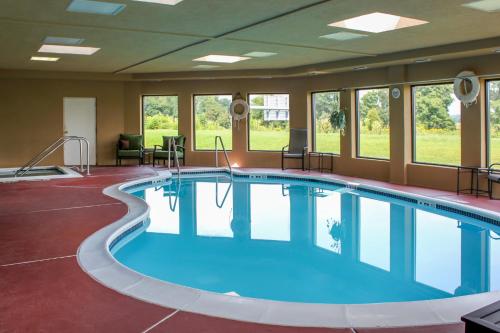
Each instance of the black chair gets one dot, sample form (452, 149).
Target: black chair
(297, 147)
(164, 152)
(493, 177)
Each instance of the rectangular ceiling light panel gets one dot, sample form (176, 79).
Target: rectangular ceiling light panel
(95, 7)
(64, 49)
(206, 66)
(221, 58)
(342, 36)
(51, 59)
(377, 22)
(162, 2)
(484, 5)
(62, 40)
(259, 54)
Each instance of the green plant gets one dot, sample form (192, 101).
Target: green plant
(338, 120)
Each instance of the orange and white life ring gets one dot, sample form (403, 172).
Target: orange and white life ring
(467, 87)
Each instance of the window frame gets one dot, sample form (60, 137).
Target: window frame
(313, 120)
(488, 119)
(249, 115)
(414, 127)
(143, 117)
(193, 112)
(357, 124)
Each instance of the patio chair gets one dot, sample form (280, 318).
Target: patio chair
(493, 177)
(129, 147)
(162, 152)
(297, 146)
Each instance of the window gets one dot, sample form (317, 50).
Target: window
(375, 233)
(211, 220)
(211, 119)
(325, 138)
(373, 123)
(267, 222)
(328, 220)
(436, 125)
(268, 127)
(438, 251)
(493, 109)
(160, 117)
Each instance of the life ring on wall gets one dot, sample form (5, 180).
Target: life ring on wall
(239, 108)
(466, 87)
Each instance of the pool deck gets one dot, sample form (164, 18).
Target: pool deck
(43, 288)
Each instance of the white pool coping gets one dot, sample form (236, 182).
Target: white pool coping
(96, 260)
(67, 173)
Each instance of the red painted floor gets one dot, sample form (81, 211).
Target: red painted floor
(44, 290)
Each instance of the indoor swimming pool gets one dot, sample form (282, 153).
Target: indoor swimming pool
(307, 241)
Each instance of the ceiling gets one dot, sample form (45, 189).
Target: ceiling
(153, 38)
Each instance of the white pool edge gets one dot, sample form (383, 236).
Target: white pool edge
(67, 173)
(96, 260)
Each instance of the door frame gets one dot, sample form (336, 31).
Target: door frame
(95, 117)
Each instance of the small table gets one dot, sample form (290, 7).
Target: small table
(474, 179)
(147, 156)
(320, 156)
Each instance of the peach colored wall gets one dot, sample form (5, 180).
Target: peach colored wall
(37, 104)
(32, 116)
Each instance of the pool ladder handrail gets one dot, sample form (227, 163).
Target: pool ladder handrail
(217, 192)
(173, 144)
(218, 138)
(52, 148)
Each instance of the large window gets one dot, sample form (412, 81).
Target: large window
(373, 123)
(436, 123)
(268, 127)
(160, 117)
(493, 109)
(212, 118)
(325, 138)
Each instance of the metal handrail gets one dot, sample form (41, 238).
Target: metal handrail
(217, 192)
(176, 158)
(52, 148)
(225, 154)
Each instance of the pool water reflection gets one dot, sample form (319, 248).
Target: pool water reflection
(296, 242)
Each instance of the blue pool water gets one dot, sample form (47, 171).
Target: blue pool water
(296, 241)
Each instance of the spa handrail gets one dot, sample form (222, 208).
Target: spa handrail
(52, 148)
(173, 144)
(219, 139)
(217, 192)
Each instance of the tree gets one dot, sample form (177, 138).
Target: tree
(378, 100)
(432, 104)
(165, 105)
(213, 111)
(325, 103)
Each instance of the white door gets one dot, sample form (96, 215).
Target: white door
(79, 120)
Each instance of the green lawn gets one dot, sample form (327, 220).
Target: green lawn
(431, 148)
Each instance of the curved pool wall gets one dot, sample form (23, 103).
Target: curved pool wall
(96, 259)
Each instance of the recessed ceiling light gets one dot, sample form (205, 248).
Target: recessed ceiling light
(341, 36)
(95, 7)
(51, 59)
(205, 66)
(82, 50)
(259, 54)
(162, 2)
(360, 68)
(419, 61)
(221, 58)
(63, 40)
(484, 5)
(377, 22)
